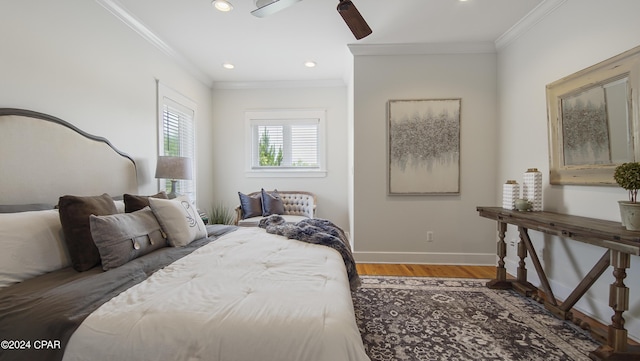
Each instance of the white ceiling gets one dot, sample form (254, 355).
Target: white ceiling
(274, 48)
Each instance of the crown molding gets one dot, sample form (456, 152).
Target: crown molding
(423, 48)
(119, 11)
(527, 22)
(292, 84)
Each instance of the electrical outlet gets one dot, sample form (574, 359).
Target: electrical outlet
(429, 236)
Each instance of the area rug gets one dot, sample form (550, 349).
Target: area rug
(420, 318)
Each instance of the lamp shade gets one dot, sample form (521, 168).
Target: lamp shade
(173, 168)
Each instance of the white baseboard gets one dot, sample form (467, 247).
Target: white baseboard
(485, 259)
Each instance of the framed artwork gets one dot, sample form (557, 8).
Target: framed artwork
(424, 146)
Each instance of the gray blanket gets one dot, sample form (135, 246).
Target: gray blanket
(317, 231)
(52, 306)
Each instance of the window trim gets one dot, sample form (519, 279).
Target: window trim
(290, 116)
(163, 91)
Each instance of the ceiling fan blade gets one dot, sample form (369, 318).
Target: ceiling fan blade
(354, 20)
(268, 7)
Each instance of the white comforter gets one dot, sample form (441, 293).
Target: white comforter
(247, 296)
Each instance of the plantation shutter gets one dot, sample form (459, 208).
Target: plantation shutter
(304, 145)
(296, 140)
(179, 139)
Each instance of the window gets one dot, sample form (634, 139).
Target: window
(177, 135)
(285, 141)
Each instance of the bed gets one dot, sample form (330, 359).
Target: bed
(161, 290)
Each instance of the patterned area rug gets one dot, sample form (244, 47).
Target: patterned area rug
(418, 318)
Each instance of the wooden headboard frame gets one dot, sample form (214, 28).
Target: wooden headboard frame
(43, 157)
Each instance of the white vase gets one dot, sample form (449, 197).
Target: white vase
(630, 215)
(510, 192)
(532, 188)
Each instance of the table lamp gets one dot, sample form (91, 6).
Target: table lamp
(173, 168)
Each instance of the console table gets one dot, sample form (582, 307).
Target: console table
(619, 245)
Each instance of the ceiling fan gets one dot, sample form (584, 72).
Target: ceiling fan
(346, 8)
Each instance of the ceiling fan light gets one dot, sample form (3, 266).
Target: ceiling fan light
(354, 19)
(222, 5)
(261, 3)
(268, 7)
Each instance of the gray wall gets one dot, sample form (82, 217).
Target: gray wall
(74, 60)
(574, 36)
(393, 228)
(228, 141)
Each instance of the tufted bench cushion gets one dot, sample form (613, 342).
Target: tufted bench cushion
(298, 205)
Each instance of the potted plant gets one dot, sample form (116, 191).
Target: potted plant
(627, 175)
(221, 214)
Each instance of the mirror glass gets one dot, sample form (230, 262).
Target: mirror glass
(595, 125)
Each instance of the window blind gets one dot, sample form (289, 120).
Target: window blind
(285, 143)
(179, 139)
(288, 145)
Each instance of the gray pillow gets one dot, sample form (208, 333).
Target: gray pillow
(271, 203)
(126, 236)
(74, 216)
(251, 206)
(134, 203)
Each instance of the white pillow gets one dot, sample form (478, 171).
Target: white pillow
(32, 244)
(119, 205)
(179, 219)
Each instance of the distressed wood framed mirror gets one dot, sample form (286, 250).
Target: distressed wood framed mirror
(593, 121)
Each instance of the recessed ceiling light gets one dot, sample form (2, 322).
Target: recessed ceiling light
(310, 64)
(228, 66)
(222, 5)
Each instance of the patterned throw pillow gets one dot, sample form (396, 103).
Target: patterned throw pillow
(179, 219)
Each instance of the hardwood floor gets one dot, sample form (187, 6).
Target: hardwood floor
(422, 270)
(456, 271)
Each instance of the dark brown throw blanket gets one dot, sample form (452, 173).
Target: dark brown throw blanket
(317, 231)
(52, 306)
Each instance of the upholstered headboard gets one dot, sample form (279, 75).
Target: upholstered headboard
(43, 157)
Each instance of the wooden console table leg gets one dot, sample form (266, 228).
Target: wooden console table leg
(523, 286)
(564, 309)
(500, 282)
(522, 265)
(617, 347)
